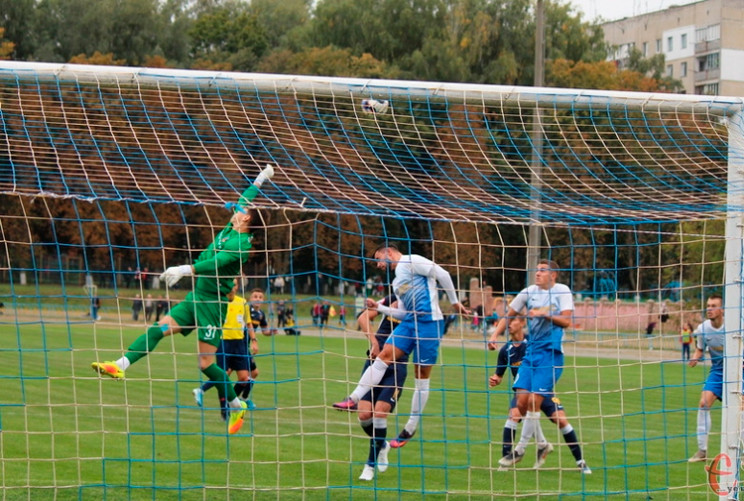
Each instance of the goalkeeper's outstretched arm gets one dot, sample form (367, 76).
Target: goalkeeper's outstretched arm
(252, 191)
(173, 274)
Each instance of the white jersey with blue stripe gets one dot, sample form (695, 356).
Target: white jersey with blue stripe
(543, 332)
(712, 338)
(415, 285)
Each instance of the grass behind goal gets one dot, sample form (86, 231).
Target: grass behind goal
(68, 434)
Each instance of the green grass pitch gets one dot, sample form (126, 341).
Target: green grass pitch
(68, 434)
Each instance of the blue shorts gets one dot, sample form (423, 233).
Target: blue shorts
(419, 336)
(233, 354)
(549, 406)
(390, 387)
(539, 372)
(714, 383)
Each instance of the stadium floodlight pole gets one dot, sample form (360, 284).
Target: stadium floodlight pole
(734, 308)
(535, 230)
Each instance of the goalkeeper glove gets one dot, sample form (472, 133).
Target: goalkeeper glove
(265, 175)
(172, 275)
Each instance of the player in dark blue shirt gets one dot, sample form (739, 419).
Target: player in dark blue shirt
(374, 407)
(510, 358)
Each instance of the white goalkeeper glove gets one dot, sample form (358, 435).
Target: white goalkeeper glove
(172, 275)
(266, 174)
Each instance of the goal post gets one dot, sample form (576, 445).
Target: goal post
(116, 173)
(732, 435)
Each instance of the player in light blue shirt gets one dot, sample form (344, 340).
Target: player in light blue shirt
(419, 332)
(709, 335)
(549, 307)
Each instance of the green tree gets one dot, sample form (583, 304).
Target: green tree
(6, 48)
(387, 29)
(568, 36)
(484, 41)
(327, 61)
(18, 17)
(284, 23)
(230, 35)
(653, 67)
(132, 30)
(604, 75)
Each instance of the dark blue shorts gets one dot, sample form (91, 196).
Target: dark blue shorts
(233, 354)
(390, 387)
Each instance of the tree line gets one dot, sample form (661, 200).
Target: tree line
(476, 41)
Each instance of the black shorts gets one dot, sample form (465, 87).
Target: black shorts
(233, 354)
(390, 387)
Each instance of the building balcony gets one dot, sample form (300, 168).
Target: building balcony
(708, 46)
(702, 76)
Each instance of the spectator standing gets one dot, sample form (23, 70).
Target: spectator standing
(685, 338)
(136, 307)
(161, 307)
(149, 307)
(316, 313)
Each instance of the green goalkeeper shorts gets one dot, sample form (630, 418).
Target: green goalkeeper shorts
(206, 315)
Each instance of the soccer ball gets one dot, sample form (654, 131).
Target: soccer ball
(374, 106)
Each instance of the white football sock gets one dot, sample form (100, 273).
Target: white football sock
(418, 404)
(703, 427)
(372, 376)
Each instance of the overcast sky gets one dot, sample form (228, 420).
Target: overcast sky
(611, 10)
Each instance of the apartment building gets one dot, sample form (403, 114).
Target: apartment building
(703, 43)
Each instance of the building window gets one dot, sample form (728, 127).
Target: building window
(714, 33)
(658, 45)
(670, 44)
(670, 70)
(683, 69)
(708, 34)
(710, 89)
(645, 49)
(683, 41)
(713, 61)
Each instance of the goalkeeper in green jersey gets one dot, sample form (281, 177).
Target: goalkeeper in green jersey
(204, 307)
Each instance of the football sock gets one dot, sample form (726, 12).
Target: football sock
(123, 363)
(221, 381)
(539, 435)
(377, 442)
(569, 436)
(242, 389)
(247, 389)
(367, 426)
(418, 404)
(144, 344)
(510, 433)
(528, 430)
(372, 376)
(703, 427)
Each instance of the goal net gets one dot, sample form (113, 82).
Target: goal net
(110, 175)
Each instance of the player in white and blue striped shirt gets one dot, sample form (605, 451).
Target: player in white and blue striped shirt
(419, 332)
